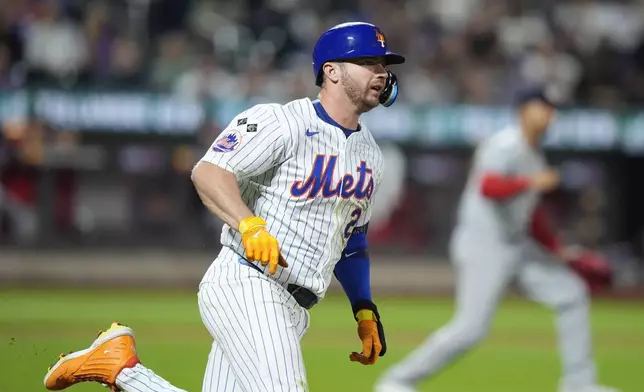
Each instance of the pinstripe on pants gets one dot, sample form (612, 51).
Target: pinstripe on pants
(256, 326)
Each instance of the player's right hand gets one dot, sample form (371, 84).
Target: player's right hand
(260, 245)
(370, 331)
(369, 335)
(545, 181)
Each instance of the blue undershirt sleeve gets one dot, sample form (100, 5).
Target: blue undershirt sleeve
(353, 269)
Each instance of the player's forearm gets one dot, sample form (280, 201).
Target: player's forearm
(219, 192)
(353, 270)
(353, 273)
(499, 187)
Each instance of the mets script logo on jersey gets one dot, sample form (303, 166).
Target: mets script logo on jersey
(227, 142)
(321, 181)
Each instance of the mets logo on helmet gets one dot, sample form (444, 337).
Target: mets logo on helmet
(380, 37)
(227, 142)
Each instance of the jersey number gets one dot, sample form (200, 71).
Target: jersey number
(355, 215)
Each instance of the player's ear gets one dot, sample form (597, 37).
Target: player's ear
(331, 72)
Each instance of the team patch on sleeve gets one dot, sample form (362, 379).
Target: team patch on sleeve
(227, 142)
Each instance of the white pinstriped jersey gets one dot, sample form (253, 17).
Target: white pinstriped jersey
(311, 183)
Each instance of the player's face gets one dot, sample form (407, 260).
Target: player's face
(363, 81)
(538, 115)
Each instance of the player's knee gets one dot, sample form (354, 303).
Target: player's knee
(476, 333)
(575, 294)
(470, 333)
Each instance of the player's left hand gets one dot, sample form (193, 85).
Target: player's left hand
(371, 333)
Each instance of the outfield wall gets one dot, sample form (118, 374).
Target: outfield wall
(174, 269)
(182, 270)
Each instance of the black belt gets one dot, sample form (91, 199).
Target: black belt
(303, 296)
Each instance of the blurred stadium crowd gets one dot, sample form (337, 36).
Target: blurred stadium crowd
(459, 51)
(474, 52)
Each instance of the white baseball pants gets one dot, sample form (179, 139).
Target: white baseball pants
(256, 327)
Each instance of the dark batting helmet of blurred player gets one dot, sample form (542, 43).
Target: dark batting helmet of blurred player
(355, 40)
(544, 94)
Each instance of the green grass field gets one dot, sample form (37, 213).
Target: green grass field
(519, 356)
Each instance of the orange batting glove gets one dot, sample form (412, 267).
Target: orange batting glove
(260, 245)
(371, 333)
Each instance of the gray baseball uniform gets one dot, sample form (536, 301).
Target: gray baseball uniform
(491, 246)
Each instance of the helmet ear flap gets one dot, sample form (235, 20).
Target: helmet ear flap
(390, 92)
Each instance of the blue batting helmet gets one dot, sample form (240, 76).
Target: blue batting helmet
(354, 40)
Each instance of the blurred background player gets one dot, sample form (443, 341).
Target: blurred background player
(502, 235)
(271, 176)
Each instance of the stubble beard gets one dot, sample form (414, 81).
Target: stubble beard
(355, 94)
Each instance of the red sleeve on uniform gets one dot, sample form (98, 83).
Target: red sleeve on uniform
(541, 230)
(500, 187)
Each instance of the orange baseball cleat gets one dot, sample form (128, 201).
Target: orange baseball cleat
(111, 352)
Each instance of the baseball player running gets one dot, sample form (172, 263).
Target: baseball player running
(294, 184)
(502, 235)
